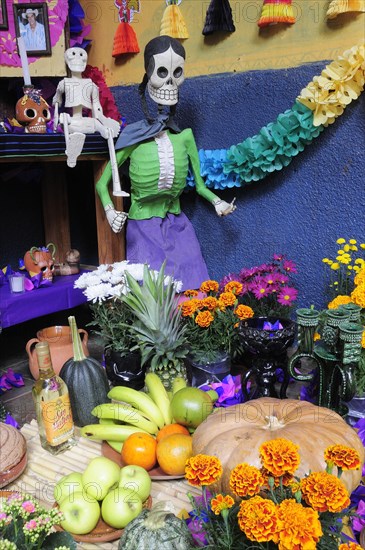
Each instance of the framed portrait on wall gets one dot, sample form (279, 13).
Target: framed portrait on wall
(3, 15)
(31, 23)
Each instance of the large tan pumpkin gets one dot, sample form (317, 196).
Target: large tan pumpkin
(234, 435)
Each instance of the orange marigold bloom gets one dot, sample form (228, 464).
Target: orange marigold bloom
(209, 286)
(234, 286)
(279, 456)
(342, 457)
(299, 527)
(220, 503)
(203, 470)
(339, 301)
(358, 295)
(286, 479)
(324, 492)
(360, 277)
(191, 293)
(204, 319)
(363, 339)
(227, 298)
(210, 303)
(244, 312)
(257, 518)
(316, 336)
(350, 546)
(245, 480)
(189, 307)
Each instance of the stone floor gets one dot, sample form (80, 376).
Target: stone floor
(18, 401)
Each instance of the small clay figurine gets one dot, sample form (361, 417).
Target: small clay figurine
(81, 93)
(160, 155)
(71, 266)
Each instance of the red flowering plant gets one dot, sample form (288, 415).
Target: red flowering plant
(211, 318)
(270, 508)
(267, 288)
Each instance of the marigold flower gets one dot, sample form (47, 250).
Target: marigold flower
(316, 336)
(204, 319)
(191, 293)
(209, 286)
(324, 492)
(234, 286)
(358, 295)
(189, 307)
(220, 503)
(203, 470)
(363, 339)
(350, 546)
(343, 457)
(279, 456)
(257, 518)
(299, 527)
(244, 312)
(245, 480)
(339, 301)
(227, 298)
(360, 277)
(210, 303)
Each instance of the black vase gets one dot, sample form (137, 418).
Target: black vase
(266, 341)
(124, 370)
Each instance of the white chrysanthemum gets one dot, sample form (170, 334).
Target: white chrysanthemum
(118, 290)
(117, 279)
(99, 293)
(102, 268)
(120, 267)
(136, 270)
(87, 279)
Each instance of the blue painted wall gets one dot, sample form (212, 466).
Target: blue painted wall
(299, 211)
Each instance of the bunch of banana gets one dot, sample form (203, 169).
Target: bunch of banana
(132, 411)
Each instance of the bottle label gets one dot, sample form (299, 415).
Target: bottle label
(57, 420)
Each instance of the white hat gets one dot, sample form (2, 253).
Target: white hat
(28, 12)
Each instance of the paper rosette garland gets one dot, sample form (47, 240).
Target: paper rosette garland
(276, 11)
(337, 7)
(218, 17)
(274, 147)
(125, 39)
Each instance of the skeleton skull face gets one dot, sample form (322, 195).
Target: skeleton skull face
(40, 260)
(32, 111)
(76, 59)
(165, 74)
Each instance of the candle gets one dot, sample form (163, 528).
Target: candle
(16, 283)
(24, 60)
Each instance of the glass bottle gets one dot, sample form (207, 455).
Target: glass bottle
(53, 408)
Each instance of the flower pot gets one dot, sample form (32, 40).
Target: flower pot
(206, 372)
(124, 369)
(60, 345)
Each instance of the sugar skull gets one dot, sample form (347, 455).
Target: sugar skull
(164, 59)
(41, 260)
(32, 111)
(76, 59)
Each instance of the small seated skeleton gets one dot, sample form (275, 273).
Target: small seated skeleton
(80, 93)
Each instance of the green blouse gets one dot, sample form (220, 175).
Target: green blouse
(147, 200)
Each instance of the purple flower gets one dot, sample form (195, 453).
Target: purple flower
(32, 524)
(359, 523)
(260, 289)
(287, 295)
(289, 266)
(2, 516)
(278, 257)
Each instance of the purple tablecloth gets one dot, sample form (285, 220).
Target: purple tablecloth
(17, 308)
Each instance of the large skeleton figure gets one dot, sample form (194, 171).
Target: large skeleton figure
(160, 155)
(80, 93)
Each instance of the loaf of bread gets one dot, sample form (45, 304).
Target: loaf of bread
(12, 447)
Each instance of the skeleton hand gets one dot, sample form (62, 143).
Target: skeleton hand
(115, 218)
(224, 208)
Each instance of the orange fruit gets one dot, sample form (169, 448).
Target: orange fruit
(171, 429)
(172, 453)
(140, 449)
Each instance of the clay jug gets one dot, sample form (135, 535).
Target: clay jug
(60, 345)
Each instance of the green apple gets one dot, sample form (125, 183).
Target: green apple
(120, 506)
(136, 479)
(67, 485)
(101, 475)
(81, 513)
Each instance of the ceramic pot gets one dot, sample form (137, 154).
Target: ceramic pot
(124, 370)
(60, 345)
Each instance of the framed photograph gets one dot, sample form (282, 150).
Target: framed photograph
(3, 16)
(31, 23)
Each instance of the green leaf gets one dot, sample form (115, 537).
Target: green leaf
(54, 540)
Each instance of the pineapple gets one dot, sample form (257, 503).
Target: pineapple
(158, 330)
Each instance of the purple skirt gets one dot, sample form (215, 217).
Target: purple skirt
(172, 239)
